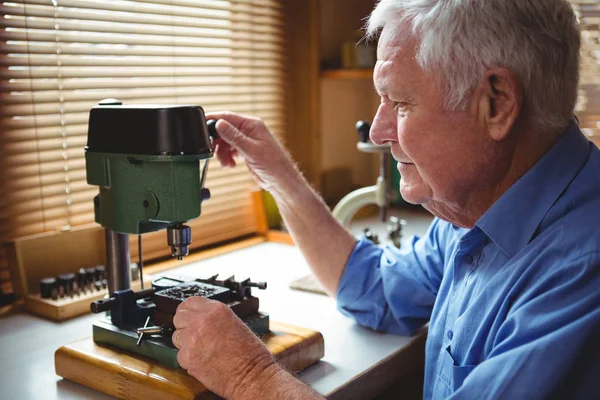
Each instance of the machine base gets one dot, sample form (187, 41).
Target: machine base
(130, 376)
(158, 348)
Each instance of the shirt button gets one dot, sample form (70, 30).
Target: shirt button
(469, 259)
(450, 334)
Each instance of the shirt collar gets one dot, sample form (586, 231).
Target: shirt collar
(513, 219)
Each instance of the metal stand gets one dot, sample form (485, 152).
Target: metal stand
(117, 261)
(377, 194)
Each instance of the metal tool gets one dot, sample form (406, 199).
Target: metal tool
(155, 330)
(48, 288)
(146, 317)
(377, 194)
(394, 227)
(112, 303)
(141, 334)
(145, 161)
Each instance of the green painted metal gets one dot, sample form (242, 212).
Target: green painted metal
(156, 347)
(140, 193)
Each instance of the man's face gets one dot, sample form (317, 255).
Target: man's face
(443, 156)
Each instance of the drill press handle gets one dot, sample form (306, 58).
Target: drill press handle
(363, 128)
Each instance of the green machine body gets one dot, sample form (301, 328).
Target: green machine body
(145, 159)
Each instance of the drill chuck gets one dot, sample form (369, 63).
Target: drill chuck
(179, 237)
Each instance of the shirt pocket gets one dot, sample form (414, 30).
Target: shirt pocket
(459, 372)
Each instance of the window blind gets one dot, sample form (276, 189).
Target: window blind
(588, 107)
(58, 58)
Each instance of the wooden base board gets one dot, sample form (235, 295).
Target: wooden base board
(69, 307)
(124, 375)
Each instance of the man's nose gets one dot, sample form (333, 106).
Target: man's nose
(383, 129)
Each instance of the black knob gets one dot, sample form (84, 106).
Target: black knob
(99, 275)
(81, 278)
(212, 128)
(66, 281)
(47, 285)
(259, 285)
(90, 275)
(99, 306)
(363, 128)
(204, 194)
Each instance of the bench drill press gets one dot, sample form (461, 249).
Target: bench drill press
(146, 162)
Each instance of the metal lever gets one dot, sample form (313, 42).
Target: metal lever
(141, 334)
(155, 330)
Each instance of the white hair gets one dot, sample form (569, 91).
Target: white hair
(537, 40)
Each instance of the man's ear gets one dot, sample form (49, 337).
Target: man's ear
(500, 102)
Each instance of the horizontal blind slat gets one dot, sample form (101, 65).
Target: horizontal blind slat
(38, 35)
(65, 72)
(224, 32)
(173, 7)
(157, 52)
(139, 61)
(135, 14)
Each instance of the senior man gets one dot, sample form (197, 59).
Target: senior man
(477, 100)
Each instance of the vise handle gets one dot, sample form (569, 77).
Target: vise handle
(99, 306)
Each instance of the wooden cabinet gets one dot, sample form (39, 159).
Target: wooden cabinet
(326, 102)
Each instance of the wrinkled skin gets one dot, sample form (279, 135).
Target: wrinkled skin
(447, 159)
(249, 138)
(218, 349)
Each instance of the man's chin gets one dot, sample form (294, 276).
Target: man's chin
(414, 194)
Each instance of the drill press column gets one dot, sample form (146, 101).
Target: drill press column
(117, 261)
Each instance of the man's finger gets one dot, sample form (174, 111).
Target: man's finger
(194, 303)
(182, 319)
(176, 338)
(223, 153)
(231, 117)
(233, 136)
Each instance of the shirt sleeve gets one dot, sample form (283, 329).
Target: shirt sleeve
(393, 290)
(548, 347)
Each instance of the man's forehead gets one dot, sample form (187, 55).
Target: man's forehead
(395, 37)
(395, 57)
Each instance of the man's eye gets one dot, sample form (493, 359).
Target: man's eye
(400, 106)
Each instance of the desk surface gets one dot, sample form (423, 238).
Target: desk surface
(27, 343)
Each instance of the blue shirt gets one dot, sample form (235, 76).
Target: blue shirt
(514, 302)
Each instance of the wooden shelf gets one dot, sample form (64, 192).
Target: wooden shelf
(347, 73)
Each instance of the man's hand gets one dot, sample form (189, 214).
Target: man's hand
(220, 351)
(249, 137)
(325, 244)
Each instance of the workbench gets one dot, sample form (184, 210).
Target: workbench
(358, 362)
